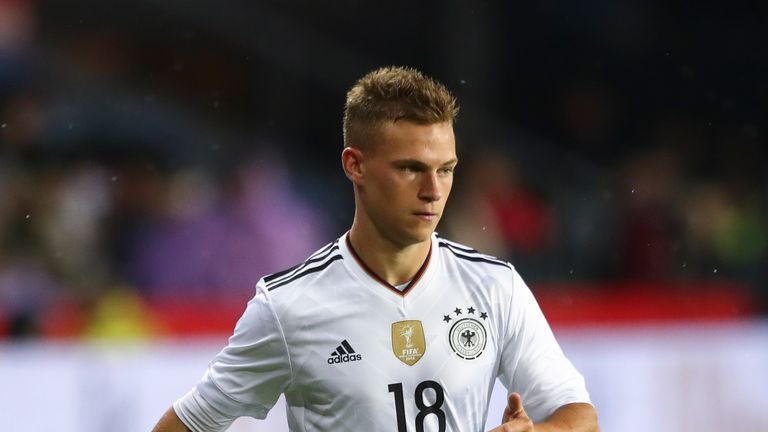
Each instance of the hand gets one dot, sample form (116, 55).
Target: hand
(514, 419)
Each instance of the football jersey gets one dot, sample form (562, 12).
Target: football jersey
(350, 352)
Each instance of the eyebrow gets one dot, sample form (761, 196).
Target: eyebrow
(420, 164)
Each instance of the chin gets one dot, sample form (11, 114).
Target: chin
(420, 235)
(408, 234)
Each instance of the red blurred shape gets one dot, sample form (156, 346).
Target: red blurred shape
(641, 302)
(65, 319)
(196, 317)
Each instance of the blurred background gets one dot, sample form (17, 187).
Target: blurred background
(158, 157)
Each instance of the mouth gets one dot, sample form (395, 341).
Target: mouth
(426, 216)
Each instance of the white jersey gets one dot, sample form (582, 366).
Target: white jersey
(352, 353)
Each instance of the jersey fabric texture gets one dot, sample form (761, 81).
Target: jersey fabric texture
(350, 352)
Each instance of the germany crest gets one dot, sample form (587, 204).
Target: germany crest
(467, 335)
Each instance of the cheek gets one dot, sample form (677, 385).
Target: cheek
(381, 196)
(393, 188)
(447, 185)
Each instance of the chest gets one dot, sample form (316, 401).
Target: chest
(367, 350)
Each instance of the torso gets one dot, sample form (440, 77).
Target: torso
(425, 359)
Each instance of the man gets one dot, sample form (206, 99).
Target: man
(390, 327)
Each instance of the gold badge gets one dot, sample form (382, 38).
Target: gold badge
(408, 341)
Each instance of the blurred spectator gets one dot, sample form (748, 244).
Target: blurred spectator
(495, 211)
(649, 244)
(17, 30)
(71, 225)
(726, 232)
(115, 122)
(26, 290)
(27, 285)
(206, 244)
(120, 314)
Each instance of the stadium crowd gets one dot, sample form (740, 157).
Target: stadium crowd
(118, 185)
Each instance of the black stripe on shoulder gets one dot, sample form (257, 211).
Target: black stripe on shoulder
(465, 250)
(475, 258)
(324, 248)
(306, 272)
(274, 276)
(319, 256)
(456, 245)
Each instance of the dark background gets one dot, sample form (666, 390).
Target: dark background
(600, 141)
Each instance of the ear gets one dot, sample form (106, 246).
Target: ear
(352, 162)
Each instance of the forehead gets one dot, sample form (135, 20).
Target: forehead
(409, 140)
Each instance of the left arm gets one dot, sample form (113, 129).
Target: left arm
(533, 364)
(575, 417)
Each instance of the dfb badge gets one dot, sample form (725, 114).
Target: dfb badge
(467, 335)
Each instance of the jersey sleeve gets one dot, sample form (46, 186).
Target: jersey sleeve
(532, 363)
(246, 377)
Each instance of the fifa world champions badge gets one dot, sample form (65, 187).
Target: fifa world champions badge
(408, 343)
(467, 335)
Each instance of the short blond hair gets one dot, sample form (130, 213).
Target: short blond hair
(391, 94)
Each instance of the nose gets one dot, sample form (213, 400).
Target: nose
(430, 190)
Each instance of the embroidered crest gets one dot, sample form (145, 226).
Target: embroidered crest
(467, 336)
(408, 342)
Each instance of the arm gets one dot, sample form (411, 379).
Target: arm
(244, 379)
(575, 417)
(534, 365)
(170, 422)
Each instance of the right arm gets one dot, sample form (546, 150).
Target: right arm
(170, 422)
(244, 379)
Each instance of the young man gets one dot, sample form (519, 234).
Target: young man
(390, 327)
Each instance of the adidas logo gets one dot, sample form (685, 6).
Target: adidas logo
(344, 353)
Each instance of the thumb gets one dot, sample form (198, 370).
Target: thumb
(514, 408)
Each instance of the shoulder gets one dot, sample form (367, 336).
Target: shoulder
(319, 263)
(475, 268)
(468, 257)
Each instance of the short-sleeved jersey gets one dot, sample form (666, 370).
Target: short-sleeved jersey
(350, 352)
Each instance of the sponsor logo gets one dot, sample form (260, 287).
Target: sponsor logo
(344, 353)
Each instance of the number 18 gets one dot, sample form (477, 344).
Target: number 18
(424, 409)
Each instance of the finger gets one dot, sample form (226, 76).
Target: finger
(507, 416)
(516, 425)
(515, 404)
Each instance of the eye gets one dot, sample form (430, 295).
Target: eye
(408, 169)
(445, 171)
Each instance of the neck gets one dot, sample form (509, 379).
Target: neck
(393, 263)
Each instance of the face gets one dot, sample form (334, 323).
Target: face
(404, 181)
